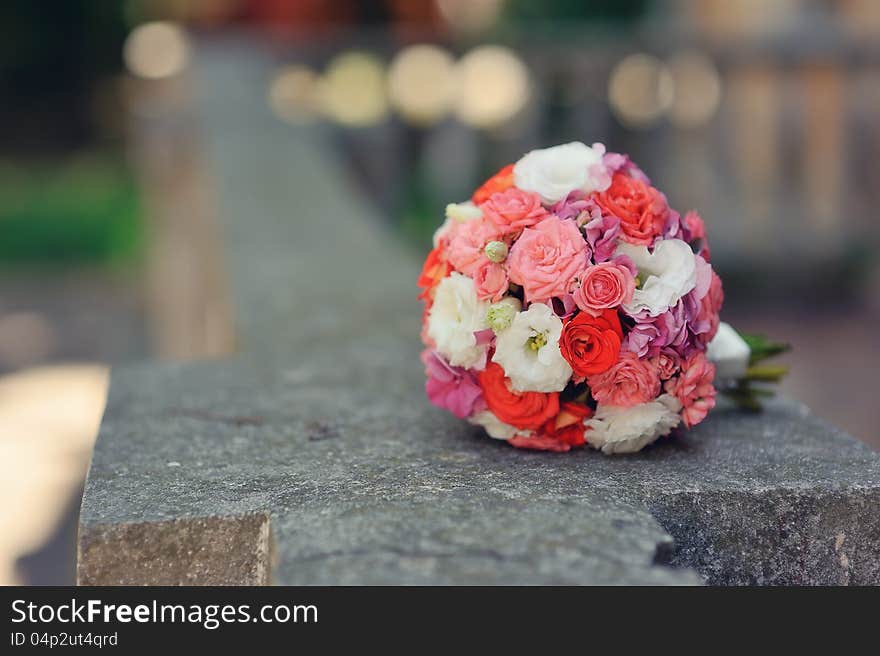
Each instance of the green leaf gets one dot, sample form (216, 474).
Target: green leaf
(744, 399)
(766, 373)
(762, 348)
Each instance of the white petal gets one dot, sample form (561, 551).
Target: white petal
(627, 430)
(668, 273)
(455, 316)
(729, 352)
(555, 172)
(544, 370)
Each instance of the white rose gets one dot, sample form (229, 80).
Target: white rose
(454, 317)
(493, 426)
(667, 274)
(729, 352)
(529, 351)
(553, 173)
(627, 430)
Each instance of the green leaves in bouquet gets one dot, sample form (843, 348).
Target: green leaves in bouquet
(762, 348)
(754, 386)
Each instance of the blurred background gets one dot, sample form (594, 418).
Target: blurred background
(763, 115)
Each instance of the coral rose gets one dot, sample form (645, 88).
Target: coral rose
(547, 258)
(514, 209)
(436, 268)
(630, 381)
(501, 181)
(667, 362)
(694, 389)
(539, 443)
(591, 344)
(526, 410)
(604, 286)
(710, 307)
(641, 208)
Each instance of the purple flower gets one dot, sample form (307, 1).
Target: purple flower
(679, 327)
(573, 205)
(449, 387)
(698, 322)
(618, 163)
(601, 232)
(651, 334)
(672, 228)
(563, 306)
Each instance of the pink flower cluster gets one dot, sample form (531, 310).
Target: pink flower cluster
(561, 324)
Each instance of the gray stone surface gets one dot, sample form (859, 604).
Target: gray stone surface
(367, 484)
(321, 426)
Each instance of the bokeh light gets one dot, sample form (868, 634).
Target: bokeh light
(640, 90)
(156, 50)
(293, 94)
(495, 87)
(422, 83)
(470, 16)
(353, 91)
(697, 86)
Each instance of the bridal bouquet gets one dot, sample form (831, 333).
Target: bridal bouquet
(567, 304)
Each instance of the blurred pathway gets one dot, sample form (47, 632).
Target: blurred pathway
(49, 417)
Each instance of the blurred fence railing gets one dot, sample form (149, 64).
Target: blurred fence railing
(773, 138)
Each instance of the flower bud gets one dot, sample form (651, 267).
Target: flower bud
(463, 212)
(500, 315)
(496, 251)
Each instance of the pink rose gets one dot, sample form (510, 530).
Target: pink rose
(514, 209)
(668, 362)
(467, 243)
(629, 382)
(547, 258)
(708, 317)
(490, 280)
(694, 389)
(604, 286)
(695, 233)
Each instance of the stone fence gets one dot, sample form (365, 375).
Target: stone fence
(310, 456)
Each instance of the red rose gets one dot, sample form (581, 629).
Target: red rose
(642, 210)
(501, 181)
(591, 344)
(539, 443)
(568, 426)
(561, 432)
(526, 410)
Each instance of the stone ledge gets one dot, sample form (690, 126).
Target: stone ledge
(364, 484)
(186, 551)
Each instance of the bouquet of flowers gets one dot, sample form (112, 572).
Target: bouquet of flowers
(567, 304)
